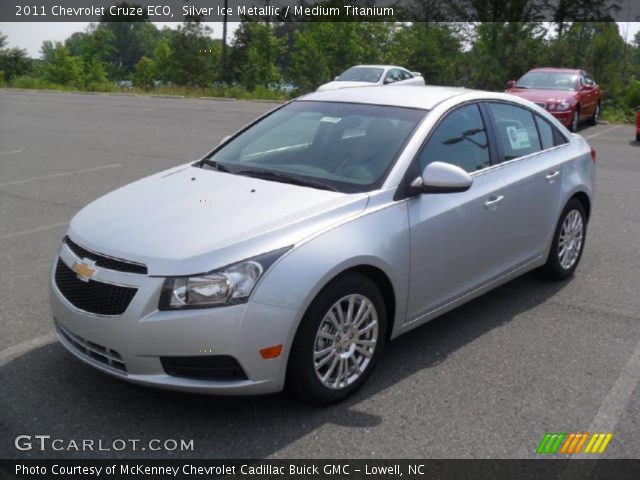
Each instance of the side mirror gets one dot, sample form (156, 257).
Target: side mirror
(511, 83)
(224, 139)
(440, 177)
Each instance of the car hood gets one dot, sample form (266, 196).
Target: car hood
(336, 85)
(545, 96)
(187, 220)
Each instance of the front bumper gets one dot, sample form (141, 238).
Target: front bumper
(563, 117)
(130, 346)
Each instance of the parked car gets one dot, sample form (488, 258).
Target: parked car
(366, 75)
(291, 253)
(569, 95)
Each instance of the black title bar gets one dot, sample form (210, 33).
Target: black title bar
(547, 469)
(327, 10)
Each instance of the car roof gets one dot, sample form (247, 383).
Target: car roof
(378, 66)
(423, 97)
(554, 69)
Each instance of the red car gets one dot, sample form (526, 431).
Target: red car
(569, 95)
(638, 126)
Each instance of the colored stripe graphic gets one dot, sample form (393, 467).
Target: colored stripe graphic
(550, 442)
(572, 443)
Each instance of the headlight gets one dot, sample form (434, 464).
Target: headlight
(563, 105)
(226, 286)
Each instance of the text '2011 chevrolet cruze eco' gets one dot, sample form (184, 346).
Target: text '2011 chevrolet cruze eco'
(289, 255)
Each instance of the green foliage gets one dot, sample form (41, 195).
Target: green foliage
(14, 62)
(254, 55)
(144, 75)
(59, 66)
(263, 56)
(195, 54)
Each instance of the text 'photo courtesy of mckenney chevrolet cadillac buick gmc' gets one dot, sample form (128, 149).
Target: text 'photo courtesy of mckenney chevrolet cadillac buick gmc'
(289, 255)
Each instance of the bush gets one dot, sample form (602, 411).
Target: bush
(27, 81)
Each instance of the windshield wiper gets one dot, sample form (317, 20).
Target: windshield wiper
(212, 163)
(284, 178)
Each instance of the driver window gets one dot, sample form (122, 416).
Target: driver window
(460, 139)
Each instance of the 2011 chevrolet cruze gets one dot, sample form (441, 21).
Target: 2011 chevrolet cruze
(292, 252)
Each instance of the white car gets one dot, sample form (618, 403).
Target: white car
(367, 75)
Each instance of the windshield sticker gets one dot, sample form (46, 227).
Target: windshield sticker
(331, 119)
(518, 138)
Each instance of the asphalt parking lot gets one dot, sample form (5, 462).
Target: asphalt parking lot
(486, 380)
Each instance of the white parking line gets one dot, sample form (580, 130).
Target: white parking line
(616, 400)
(11, 353)
(26, 180)
(11, 152)
(603, 131)
(33, 230)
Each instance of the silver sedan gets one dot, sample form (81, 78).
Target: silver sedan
(290, 254)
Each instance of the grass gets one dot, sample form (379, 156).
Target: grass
(222, 91)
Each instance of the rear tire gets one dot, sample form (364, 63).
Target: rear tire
(637, 137)
(339, 340)
(568, 242)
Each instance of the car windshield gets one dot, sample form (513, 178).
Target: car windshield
(548, 81)
(361, 74)
(336, 146)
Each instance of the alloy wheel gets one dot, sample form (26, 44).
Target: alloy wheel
(345, 342)
(570, 241)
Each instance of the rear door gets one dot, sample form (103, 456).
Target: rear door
(531, 154)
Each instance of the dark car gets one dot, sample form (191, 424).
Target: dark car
(569, 95)
(638, 126)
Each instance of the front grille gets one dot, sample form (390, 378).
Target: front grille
(92, 296)
(101, 354)
(104, 261)
(211, 367)
(541, 104)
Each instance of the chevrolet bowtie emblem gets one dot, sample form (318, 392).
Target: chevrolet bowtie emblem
(84, 269)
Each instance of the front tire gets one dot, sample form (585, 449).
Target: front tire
(339, 340)
(596, 115)
(568, 242)
(575, 120)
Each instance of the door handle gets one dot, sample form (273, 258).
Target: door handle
(551, 176)
(493, 201)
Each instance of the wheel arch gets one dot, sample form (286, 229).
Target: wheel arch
(583, 198)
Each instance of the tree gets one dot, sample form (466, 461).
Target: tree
(144, 74)
(58, 66)
(433, 49)
(14, 62)
(254, 53)
(503, 51)
(195, 54)
(164, 63)
(129, 41)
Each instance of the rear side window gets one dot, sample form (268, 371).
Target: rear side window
(461, 139)
(546, 133)
(516, 131)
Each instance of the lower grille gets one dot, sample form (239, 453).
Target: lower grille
(92, 296)
(101, 354)
(212, 367)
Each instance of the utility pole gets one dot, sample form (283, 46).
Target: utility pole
(223, 62)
